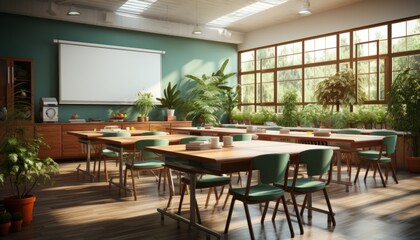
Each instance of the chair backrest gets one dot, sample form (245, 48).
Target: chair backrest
(242, 137)
(318, 161)
(190, 139)
(117, 134)
(383, 133)
(141, 144)
(153, 133)
(273, 128)
(229, 126)
(348, 131)
(273, 167)
(390, 142)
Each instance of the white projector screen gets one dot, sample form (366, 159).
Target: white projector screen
(103, 74)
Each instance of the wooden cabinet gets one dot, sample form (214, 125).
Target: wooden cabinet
(52, 135)
(16, 87)
(71, 148)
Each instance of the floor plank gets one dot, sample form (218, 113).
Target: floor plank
(75, 208)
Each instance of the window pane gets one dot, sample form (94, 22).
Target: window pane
(313, 76)
(289, 80)
(263, 55)
(247, 61)
(289, 54)
(267, 85)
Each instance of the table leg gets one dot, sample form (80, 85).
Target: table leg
(87, 143)
(120, 171)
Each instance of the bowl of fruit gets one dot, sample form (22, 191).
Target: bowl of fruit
(118, 116)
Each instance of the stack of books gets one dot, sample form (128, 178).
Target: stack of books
(322, 133)
(78, 120)
(197, 145)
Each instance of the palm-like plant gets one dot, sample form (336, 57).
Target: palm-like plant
(145, 103)
(209, 95)
(171, 97)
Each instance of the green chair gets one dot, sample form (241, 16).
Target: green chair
(154, 133)
(347, 153)
(317, 162)
(145, 161)
(376, 158)
(273, 168)
(274, 128)
(108, 154)
(242, 137)
(204, 181)
(383, 133)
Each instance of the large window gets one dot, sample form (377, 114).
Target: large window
(375, 53)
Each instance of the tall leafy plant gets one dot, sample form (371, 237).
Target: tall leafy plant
(208, 96)
(171, 97)
(289, 117)
(340, 89)
(404, 105)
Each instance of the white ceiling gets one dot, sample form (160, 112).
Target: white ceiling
(178, 15)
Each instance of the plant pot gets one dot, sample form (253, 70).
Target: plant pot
(413, 164)
(140, 119)
(16, 226)
(23, 205)
(4, 228)
(170, 112)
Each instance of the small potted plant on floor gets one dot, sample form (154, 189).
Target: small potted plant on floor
(21, 170)
(145, 104)
(16, 222)
(171, 99)
(4, 222)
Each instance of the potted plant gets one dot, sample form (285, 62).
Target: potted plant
(21, 170)
(145, 104)
(289, 114)
(4, 222)
(171, 99)
(404, 111)
(380, 117)
(16, 222)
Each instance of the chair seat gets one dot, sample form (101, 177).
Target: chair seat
(208, 180)
(145, 164)
(307, 185)
(373, 157)
(259, 192)
(370, 153)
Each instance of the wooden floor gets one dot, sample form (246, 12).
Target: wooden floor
(75, 208)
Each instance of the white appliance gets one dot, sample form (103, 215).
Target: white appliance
(49, 109)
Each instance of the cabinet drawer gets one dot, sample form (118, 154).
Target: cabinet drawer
(52, 136)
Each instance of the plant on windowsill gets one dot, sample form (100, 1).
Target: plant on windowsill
(171, 99)
(404, 111)
(145, 104)
(21, 169)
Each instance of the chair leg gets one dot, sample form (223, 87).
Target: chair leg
(275, 210)
(248, 219)
(394, 175)
(357, 172)
(208, 196)
(297, 213)
(380, 174)
(305, 200)
(232, 204)
(125, 176)
(106, 171)
(171, 186)
(197, 211)
(367, 170)
(184, 187)
(134, 186)
(226, 200)
(286, 211)
(265, 211)
(331, 213)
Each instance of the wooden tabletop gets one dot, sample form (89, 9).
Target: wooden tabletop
(355, 140)
(126, 142)
(212, 131)
(236, 158)
(96, 134)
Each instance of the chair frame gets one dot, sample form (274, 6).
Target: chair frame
(246, 200)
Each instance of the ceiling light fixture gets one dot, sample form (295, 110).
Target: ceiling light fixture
(305, 11)
(73, 11)
(196, 29)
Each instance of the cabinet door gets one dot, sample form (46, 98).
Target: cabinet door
(52, 136)
(16, 88)
(71, 148)
(137, 125)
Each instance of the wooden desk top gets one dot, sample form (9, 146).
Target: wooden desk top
(215, 130)
(96, 134)
(334, 137)
(130, 141)
(241, 152)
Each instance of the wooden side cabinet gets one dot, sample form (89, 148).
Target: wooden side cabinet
(52, 136)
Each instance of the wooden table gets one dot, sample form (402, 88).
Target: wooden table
(120, 144)
(87, 138)
(215, 131)
(351, 141)
(223, 160)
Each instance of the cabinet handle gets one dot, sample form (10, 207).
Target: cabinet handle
(13, 75)
(8, 75)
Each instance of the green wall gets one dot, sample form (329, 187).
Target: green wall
(33, 38)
